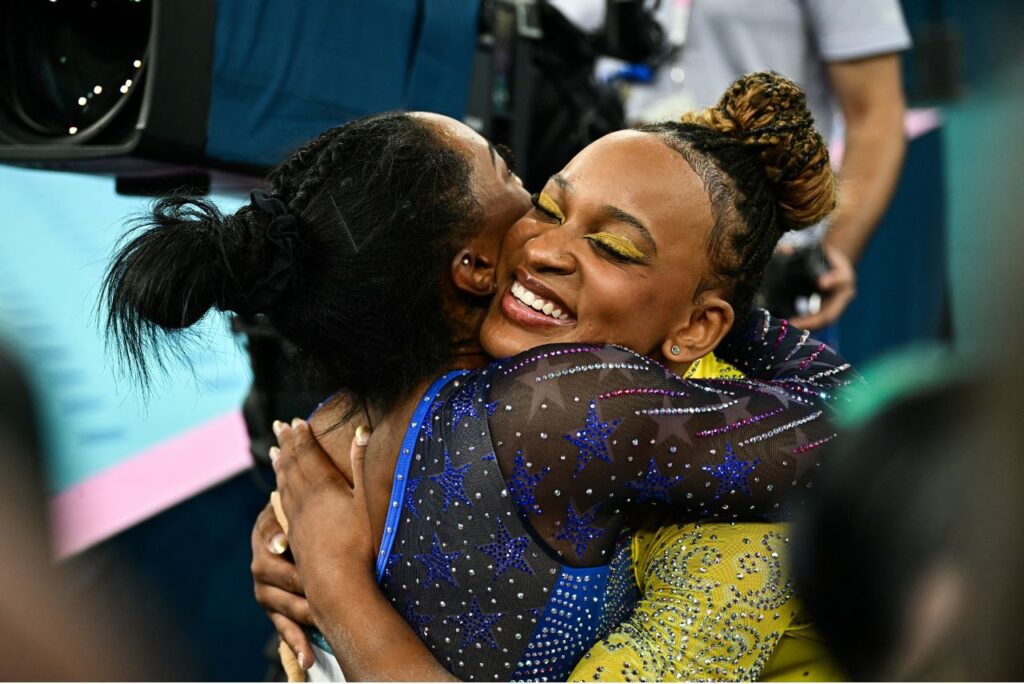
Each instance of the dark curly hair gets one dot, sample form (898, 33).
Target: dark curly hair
(764, 166)
(381, 204)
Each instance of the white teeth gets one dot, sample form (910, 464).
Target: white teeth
(537, 303)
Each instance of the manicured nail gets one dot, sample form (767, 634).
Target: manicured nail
(278, 426)
(295, 423)
(278, 544)
(302, 660)
(362, 435)
(275, 454)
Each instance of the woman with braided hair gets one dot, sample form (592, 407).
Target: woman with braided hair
(502, 557)
(533, 464)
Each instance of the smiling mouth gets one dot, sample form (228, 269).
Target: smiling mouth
(536, 302)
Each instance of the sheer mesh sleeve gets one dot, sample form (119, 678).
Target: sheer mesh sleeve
(587, 434)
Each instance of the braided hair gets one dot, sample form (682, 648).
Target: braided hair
(766, 170)
(363, 200)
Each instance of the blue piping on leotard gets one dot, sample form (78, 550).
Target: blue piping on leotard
(402, 469)
(398, 486)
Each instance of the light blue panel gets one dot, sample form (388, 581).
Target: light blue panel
(58, 231)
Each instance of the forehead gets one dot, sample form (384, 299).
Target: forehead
(457, 134)
(638, 173)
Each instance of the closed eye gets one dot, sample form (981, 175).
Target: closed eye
(546, 207)
(617, 247)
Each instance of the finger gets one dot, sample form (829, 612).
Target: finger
(292, 606)
(274, 572)
(285, 464)
(295, 637)
(358, 458)
(828, 280)
(813, 322)
(278, 509)
(315, 463)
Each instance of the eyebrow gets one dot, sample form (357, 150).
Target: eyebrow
(494, 154)
(614, 213)
(627, 218)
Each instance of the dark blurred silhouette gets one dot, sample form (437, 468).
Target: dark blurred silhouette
(914, 575)
(47, 630)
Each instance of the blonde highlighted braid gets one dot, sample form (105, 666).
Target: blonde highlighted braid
(766, 170)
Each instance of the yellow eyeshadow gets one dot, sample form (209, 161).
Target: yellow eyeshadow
(618, 244)
(548, 205)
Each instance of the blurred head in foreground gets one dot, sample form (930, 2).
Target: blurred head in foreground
(913, 576)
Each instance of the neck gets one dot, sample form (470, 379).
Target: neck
(468, 354)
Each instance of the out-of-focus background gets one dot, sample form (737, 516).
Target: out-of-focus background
(106, 103)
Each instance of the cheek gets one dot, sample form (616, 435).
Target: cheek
(512, 245)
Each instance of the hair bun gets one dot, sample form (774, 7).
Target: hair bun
(770, 112)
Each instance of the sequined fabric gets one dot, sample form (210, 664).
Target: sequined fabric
(521, 481)
(718, 605)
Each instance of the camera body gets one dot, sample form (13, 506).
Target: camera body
(790, 284)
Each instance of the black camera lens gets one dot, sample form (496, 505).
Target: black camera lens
(69, 66)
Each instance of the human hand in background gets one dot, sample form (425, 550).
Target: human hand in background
(838, 288)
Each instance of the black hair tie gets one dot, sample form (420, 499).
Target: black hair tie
(283, 234)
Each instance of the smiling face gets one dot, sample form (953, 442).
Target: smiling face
(613, 252)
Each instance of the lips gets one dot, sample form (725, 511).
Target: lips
(530, 302)
(537, 303)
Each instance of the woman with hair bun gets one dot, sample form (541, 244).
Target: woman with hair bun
(503, 557)
(497, 496)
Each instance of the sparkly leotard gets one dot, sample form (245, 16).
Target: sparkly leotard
(505, 547)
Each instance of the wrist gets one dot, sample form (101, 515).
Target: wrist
(335, 590)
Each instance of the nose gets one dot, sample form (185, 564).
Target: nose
(549, 251)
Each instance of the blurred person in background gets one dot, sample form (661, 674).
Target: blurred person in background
(919, 511)
(48, 631)
(846, 56)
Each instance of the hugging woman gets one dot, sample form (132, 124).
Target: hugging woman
(498, 497)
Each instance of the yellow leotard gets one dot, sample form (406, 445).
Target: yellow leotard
(717, 603)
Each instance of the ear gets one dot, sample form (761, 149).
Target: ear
(473, 273)
(710, 319)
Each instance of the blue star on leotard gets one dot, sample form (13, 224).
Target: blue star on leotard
(450, 482)
(654, 486)
(591, 439)
(522, 483)
(416, 620)
(507, 552)
(393, 560)
(438, 563)
(732, 473)
(410, 496)
(578, 530)
(476, 625)
(463, 404)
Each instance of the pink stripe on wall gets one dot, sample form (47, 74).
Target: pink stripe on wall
(149, 483)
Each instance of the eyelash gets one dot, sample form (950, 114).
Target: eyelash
(506, 153)
(539, 208)
(610, 252)
(603, 248)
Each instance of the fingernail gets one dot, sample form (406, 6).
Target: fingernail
(295, 422)
(275, 454)
(278, 544)
(362, 435)
(278, 426)
(302, 660)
